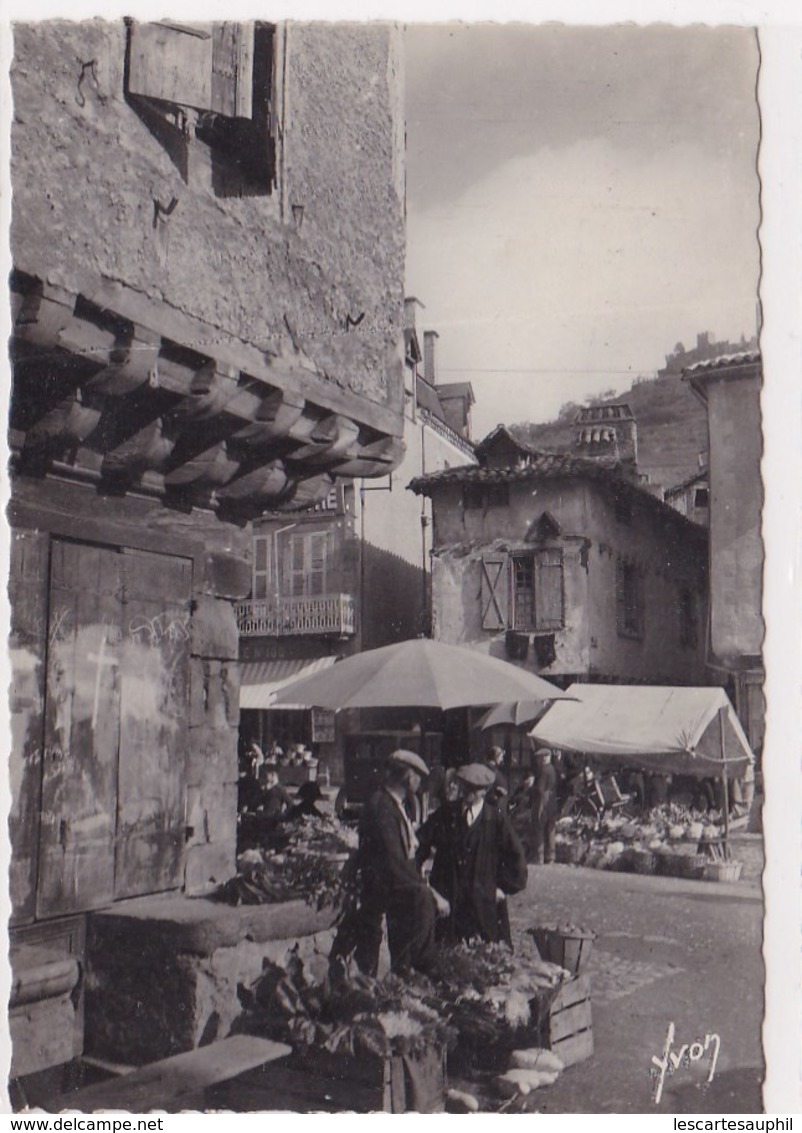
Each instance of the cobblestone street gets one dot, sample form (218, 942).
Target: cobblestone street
(667, 951)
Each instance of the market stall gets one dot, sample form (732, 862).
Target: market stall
(680, 731)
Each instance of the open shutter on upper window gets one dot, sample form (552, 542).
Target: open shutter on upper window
(172, 63)
(318, 548)
(206, 68)
(549, 590)
(495, 592)
(232, 70)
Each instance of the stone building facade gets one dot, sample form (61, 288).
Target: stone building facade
(565, 566)
(208, 254)
(730, 386)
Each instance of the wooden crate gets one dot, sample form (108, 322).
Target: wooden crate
(316, 1081)
(562, 1020)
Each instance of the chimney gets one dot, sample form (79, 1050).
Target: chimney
(429, 354)
(608, 431)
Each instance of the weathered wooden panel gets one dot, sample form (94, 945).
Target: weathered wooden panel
(172, 63)
(232, 69)
(76, 845)
(27, 643)
(153, 723)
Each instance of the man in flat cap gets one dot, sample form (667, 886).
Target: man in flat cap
(390, 883)
(478, 859)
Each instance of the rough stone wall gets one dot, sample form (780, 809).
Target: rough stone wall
(87, 174)
(669, 557)
(156, 986)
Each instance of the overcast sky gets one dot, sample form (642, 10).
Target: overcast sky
(579, 200)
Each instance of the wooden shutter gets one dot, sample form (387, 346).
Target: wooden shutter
(171, 63)
(262, 566)
(82, 722)
(232, 70)
(495, 592)
(317, 547)
(204, 67)
(153, 724)
(549, 590)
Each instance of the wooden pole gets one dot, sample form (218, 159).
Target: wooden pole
(725, 785)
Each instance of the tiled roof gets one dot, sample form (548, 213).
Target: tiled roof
(702, 474)
(503, 431)
(725, 362)
(550, 466)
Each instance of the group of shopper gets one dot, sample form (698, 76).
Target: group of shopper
(477, 860)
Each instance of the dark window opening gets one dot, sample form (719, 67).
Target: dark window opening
(211, 84)
(629, 599)
(473, 497)
(701, 498)
(498, 495)
(688, 633)
(537, 591)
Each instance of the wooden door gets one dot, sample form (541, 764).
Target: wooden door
(153, 723)
(112, 819)
(82, 718)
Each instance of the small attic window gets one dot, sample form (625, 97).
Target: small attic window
(546, 527)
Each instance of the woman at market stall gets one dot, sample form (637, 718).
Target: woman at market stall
(389, 881)
(478, 859)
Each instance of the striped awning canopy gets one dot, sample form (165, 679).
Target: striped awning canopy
(261, 680)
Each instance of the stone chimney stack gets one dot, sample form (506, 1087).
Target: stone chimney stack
(430, 338)
(608, 431)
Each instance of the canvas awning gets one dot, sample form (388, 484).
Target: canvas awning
(261, 680)
(676, 730)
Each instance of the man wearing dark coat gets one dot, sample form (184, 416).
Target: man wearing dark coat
(390, 883)
(478, 859)
(545, 805)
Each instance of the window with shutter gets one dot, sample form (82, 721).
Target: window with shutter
(224, 73)
(549, 608)
(628, 594)
(537, 590)
(686, 605)
(305, 565)
(262, 566)
(494, 596)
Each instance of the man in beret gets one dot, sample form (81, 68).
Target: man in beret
(390, 883)
(478, 859)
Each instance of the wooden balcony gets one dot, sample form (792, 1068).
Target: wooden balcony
(298, 617)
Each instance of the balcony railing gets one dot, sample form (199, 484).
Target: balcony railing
(294, 617)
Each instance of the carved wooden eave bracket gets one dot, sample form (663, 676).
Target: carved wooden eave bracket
(119, 390)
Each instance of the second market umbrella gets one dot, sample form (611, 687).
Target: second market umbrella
(418, 672)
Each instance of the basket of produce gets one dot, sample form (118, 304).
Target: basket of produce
(568, 946)
(569, 853)
(722, 871)
(643, 861)
(692, 866)
(486, 994)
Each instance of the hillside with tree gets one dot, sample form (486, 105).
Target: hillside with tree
(672, 422)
